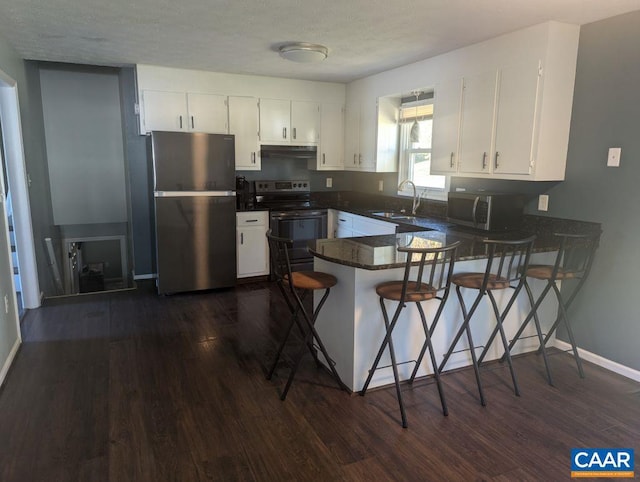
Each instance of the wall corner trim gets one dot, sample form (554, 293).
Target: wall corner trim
(9, 360)
(610, 365)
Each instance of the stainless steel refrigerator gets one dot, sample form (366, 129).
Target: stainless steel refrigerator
(195, 210)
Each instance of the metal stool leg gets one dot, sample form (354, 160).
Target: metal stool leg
(505, 343)
(563, 316)
(387, 341)
(310, 336)
(429, 345)
(465, 327)
(295, 310)
(430, 332)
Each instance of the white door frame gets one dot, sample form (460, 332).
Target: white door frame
(17, 174)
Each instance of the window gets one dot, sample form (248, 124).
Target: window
(415, 150)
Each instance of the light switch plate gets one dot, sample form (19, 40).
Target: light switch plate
(380, 185)
(613, 160)
(543, 202)
(329, 182)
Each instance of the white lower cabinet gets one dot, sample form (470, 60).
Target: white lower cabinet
(349, 225)
(252, 250)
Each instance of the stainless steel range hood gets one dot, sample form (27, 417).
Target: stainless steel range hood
(288, 152)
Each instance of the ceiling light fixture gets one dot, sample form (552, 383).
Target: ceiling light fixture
(303, 52)
(414, 135)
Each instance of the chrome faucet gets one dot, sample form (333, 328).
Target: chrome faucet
(416, 198)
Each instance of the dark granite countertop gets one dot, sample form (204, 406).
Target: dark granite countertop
(379, 252)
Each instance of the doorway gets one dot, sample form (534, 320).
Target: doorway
(17, 186)
(15, 265)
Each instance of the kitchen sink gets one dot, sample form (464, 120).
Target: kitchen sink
(392, 215)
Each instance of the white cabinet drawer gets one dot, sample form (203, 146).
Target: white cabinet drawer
(252, 218)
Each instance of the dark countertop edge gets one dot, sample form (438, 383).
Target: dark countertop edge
(353, 264)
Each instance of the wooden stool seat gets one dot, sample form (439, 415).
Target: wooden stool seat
(475, 280)
(392, 290)
(545, 272)
(311, 280)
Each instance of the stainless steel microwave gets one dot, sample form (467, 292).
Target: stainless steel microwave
(486, 211)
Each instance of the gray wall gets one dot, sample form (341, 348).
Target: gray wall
(139, 176)
(83, 133)
(606, 113)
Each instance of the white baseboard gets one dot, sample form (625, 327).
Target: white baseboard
(145, 276)
(615, 367)
(7, 363)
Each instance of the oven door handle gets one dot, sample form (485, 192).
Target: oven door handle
(310, 214)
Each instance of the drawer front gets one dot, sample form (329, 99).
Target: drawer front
(252, 218)
(372, 227)
(344, 220)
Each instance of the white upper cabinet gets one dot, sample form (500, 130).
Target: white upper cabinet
(371, 135)
(243, 124)
(476, 132)
(516, 117)
(184, 111)
(498, 124)
(275, 121)
(305, 122)
(331, 155)
(446, 126)
(164, 111)
(207, 113)
(289, 122)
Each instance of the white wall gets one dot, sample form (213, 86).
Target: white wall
(83, 131)
(480, 57)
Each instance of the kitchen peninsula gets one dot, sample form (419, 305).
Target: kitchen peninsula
(351, 323)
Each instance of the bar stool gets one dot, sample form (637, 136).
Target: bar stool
(433, 268)
(295, 286)
(573, 262)
(506, 264)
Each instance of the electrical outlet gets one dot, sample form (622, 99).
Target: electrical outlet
(329, 182)
(380, 185)
(613, 159)
(543, 202)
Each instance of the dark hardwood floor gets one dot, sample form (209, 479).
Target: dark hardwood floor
(131, 386)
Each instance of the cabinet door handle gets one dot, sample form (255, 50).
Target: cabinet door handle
(294, 133)
(250, 220)
(241, 238)
(355, 159)
(360, 159)
(451, 160)
(484, 160)
(180, 122)
(496, 161)
(284, 132)
(323, 158)
(253, 157)
(192, 124)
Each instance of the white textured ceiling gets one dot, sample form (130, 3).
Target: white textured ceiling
(242, 36)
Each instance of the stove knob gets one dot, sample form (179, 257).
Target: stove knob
(305, 184)
(295, 185)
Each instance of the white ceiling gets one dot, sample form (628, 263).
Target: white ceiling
(242, 36)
